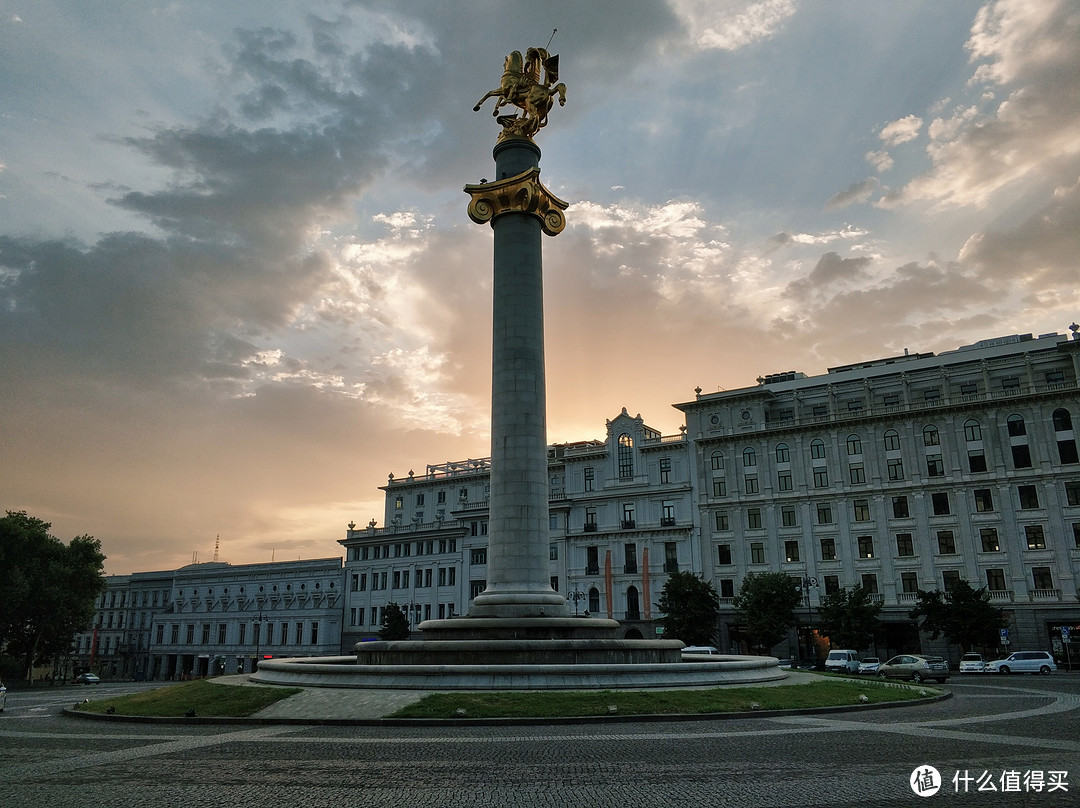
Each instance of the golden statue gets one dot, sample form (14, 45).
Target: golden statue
(523, 88)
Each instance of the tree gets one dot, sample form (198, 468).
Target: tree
(766, 605)
(850, 617)
(395, 623)
(47, 588)
(964, 615)
(691, 608)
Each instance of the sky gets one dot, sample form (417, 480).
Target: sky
(238, 284)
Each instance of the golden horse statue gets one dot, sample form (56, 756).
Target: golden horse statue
(523, 87)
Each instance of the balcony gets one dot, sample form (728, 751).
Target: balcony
(630, 569)
(907, 597)
(1000, 595)
(628, 524)
(667, 521)
(1044, 595)
(590, 527)
(592, 570)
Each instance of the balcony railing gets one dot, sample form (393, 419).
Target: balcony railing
(590, 527)
(667, 521)
(907, 597)
(592, 570)
(1000, 595)
(1044, 594)
(630, 569)
(628, 524)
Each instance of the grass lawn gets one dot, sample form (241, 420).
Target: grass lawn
(827, 692)
(204, 696)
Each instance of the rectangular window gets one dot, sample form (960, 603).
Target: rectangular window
(667, 513)
(984, 500)
(896, 469)
(1036, 540)
(783, 481)
(750, 484)
(940, 502)
(665, 469)
(442, 576)
(988, 539)
(949, 579)
(866, 546)
(1067, 451)
(946, 543)
(861, 510)
(719, 488)
(727, 588)
(753, 518)
(899, 507)
(976, 461)
(1072, 493)
(1010, 383)
(821, 478)
(828, 550)
(869, 583)
(788, 517)
(931, 395)
(1029, 497)
(995, 580)
(857, 474)
(590, 478)
(630, 558)
(832, 584)
(969, 388)
(553, 552)
(723, 554)
(909, 582)
(819, 410)
(824, 513)
(935, 467)
(854, 445)
(206, 634)
(890, 399)
(722, 520)
(592, 560)
(905, 546)
(478, 555)
(222, 629)
(314, 634)
(397, 579)
(757, 553)
(590, 519)
(476, 587)
(628, 520)
(671, 557)
(1041, 578)
(1021, 457)
(791, 550)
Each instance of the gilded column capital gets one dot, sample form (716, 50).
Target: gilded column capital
(522, 193)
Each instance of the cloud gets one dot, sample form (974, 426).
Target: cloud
(1029, 47)
(901, 131)
(853, 194)
(732, 24)
(880, 160)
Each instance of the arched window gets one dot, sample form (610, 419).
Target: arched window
(717, 461)
(626, 457)
(817, 449)
(891, 440)
(930, 436)
(1016, 426)
(782, 453)
(1062, 420)
(633, 609)
(749, 457)
(854, 445)
(594, 600)
(972, 430)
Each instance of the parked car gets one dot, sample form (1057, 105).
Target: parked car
(916, 667)
(869, 664)
(972, 663)
(701, 649)
(1024, 662)
(842, 661)
(87, 679)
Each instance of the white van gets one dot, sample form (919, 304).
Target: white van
(843, 661)
(701, 649)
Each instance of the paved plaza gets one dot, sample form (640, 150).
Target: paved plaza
(992, 728)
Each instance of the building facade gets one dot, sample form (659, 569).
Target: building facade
(900, 474)
(212, 618)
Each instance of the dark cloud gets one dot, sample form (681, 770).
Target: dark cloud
(830, 270)
(859, 192)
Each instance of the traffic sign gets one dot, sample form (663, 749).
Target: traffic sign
(1065, 633)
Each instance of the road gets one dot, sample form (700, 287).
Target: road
(993, 726)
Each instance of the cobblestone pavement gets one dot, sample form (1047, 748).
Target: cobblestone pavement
(994, 725)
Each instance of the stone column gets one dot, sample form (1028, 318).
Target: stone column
(520, 209)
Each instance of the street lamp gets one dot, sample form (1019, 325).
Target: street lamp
(576, 597)
(808, 582)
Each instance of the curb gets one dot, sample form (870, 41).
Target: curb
(495, 722)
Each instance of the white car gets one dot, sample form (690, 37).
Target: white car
(1024, 662)
(842, 661)
(972, 663)
(869, 664)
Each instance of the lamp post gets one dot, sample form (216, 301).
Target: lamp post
(258, 639)
(576, 597)
(808, 582)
